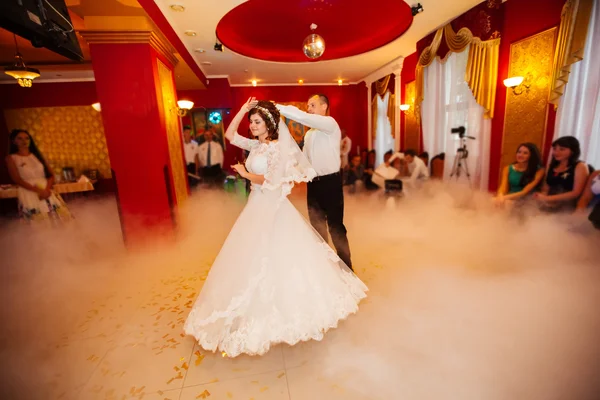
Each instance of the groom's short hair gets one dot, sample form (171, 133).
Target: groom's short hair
(322, 99)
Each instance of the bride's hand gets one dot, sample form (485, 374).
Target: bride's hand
(240, 169)
(250, 104)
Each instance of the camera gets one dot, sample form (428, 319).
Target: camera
(460, 130)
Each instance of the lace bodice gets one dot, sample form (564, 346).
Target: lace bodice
(262, 159)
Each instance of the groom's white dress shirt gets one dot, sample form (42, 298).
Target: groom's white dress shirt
(321, 142)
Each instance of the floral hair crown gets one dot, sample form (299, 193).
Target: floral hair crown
(267, 113)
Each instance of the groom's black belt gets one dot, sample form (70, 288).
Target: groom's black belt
(326, 177)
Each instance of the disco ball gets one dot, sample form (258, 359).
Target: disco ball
(313, 46)
(215, 117)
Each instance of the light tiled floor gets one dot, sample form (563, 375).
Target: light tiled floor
(117, 353)
(440, 322)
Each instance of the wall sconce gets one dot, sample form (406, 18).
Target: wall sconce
(404, 107)
(517, 83)
(183, 106)
(96, 106)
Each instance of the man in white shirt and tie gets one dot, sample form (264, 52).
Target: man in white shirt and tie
(210, 154)
(190, 151)
(325, 196)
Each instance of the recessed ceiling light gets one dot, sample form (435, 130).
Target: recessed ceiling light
(340, 82)
(206, 63)
(300, 81)
(254, 83)
(177, 7)
(190, 33)
(200, 50)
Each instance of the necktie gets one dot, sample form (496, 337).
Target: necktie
(208, 155)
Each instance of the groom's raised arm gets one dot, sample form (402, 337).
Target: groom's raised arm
(323, 123)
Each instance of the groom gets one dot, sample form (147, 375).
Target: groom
(322, 148)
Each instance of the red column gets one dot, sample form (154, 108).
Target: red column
(136, 92)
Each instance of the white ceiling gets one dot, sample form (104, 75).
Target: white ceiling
(202, 16)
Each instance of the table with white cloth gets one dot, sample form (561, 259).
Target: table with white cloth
(10, 191)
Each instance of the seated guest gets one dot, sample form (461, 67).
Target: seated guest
(591, 193)
(522, 177)
(383, 172)
(210, 155)
(566, 177)
(591, 199)
(369, 169)
(356, 171)
(190, 150)
(355, 174)
(30, 171)
(416, 168)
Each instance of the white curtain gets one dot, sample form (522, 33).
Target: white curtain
(449, 103)
(579, 109)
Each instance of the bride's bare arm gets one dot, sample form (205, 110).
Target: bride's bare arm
(254, 178)
(235, 123)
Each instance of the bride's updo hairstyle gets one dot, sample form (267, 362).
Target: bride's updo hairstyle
(270, 114)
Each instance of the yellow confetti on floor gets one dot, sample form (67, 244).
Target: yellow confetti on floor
(199, 358)
(203, 395)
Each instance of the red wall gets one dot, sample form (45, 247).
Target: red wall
(348, 103)
(521, 20)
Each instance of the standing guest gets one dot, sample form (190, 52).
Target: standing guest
(190, 149)
(345, 147)
(30, 171)
(210, 154)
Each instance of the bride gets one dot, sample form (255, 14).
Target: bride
(275, 279)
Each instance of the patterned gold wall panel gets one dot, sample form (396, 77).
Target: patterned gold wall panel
(526, 114)
(165, 80)
(67, 136)
(412, 133)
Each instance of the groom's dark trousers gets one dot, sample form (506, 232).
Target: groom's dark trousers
(326, 209)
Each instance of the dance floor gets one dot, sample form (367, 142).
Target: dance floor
(463, 305)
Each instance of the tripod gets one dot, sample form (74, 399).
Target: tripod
(460, 162)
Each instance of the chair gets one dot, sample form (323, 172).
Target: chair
(437, 166)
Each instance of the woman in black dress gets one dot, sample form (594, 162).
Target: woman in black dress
(566, 177)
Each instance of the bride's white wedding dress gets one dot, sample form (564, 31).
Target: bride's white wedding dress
(275, 279)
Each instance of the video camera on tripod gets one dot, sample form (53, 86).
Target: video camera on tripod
(461, 154)
(461, 132)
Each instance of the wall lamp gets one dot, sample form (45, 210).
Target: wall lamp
(518, 84)
(183, 106)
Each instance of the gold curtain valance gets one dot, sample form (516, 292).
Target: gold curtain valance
(482, 66)
(572, 35)
(382, 84)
